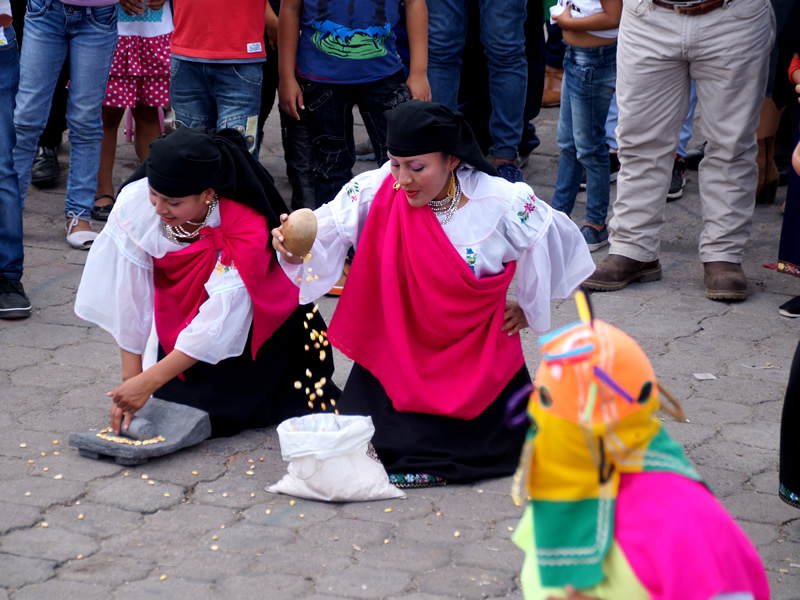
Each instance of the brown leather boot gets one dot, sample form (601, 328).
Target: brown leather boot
(615, 272)
(551, 96)
(725, 281)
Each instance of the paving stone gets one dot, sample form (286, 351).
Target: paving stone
(759, 508)
(172, 588)
(57, 588)
(112, 571)
(14, 516)
(734, 456)
(130, 493)
(480, 506)
(52, 376)
(280, 587)
(44, 337)
(203, 563)
(411, 555)
(19, 571)
(769, 411)
(284, 514)
(13, 357)
(190, 519)
(765, 435)
(393, 511)
(44, 491)
(715, 412)
(362, 582)
(51, 543)
(724, 482)
(94, 520)
(759, 533)
(97, 354)
(248, 538)
(471, 583)
(73, 419)
(443, 530)
(179, 468)
(355, 531)
(501, 556)
(302, 560)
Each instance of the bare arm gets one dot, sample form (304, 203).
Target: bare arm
(290, 96)
(608, 19)
(417, 27)
(137, 388)
(271, 24)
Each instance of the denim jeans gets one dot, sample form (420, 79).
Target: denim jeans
(217, 96)
(329, 121)
(586, 90)
(503, 39)
(10, 202)
(89, 34)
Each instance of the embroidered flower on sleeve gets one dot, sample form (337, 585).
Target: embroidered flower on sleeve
(352, 189)
(472, 257)
(529, 207)
(221, 269)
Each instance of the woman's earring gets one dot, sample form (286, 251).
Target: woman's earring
(395, 186)
(451, 190)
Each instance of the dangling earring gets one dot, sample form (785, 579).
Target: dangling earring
(395, 186)
(451, 189)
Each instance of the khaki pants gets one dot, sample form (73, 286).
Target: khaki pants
(726, 53)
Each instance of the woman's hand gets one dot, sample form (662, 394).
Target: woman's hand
(514, 319)
(277, 243)
(128, 398)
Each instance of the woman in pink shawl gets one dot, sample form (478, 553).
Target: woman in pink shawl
(425, 315)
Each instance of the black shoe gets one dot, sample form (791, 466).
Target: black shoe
(678, 181)
(693, 157)
(45, 170)
(613, 170)
(14, 304)
(791, 308)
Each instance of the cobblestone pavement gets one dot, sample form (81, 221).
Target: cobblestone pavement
(72, 527)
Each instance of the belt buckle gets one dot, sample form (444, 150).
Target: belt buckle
(677, 7)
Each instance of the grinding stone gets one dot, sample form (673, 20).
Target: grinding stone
(179, 425)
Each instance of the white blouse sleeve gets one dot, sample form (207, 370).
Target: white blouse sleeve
(339, 226)
(116, 289)
(220, 328)
(554, 262)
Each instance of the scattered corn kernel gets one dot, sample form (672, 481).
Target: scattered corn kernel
(250, 460)
(261, 459)
(31, 461)
(55, 441)
(166, 495)
(510, 528)
(194, 473)
(305, 324)
(45, 524)
(310, 269)
(292, 502)
(79, 557)
(250, 473)
(145, 477)
(269, 511)
(56, 453)
(46, 469)
(302, 516)
(299, 280)
(252, 495)
(387, 509)
(44, 454)
(59, 476)
(215, 537)
(80, 517)
(322, 354)
(225, 495)
(23, 445)
(323, 407)
(457, 534)
(308, 372)
(316, 276)
(215, 547)
(210, 491)
(27, 493)
(297, 385)
(385, 541)
(163, 577)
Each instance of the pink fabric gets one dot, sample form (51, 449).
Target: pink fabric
(243, 240)
(680, 541)
(414, 314)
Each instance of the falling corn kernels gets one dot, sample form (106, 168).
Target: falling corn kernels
(163, 577)
(323, 381)
(320, 392)
(315, 309)
(333, 402)
(316, 346)
(309, 315)
(325, 343)
(313, 336)
(312, 397)
(297, 385)
(306, 347)
(305, 324)
(322, 354)
(308, 372)
(310, 404)
(308, 391)
(322, 406)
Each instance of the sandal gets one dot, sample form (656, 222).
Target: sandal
(81, 240)
(100, 213)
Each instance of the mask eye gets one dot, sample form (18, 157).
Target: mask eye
(545, 398)
(644, 395)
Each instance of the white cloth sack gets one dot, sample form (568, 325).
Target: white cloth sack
(328, 460)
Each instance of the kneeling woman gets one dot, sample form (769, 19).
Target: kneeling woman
(187, 244)
(424, 313)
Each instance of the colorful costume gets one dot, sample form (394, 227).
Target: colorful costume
(614, 507)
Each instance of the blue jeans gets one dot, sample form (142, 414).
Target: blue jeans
(686, 129)
(90, 35)
(329, 121)
(217, 96)
(10, 202)
(503, 39)
(586, 90)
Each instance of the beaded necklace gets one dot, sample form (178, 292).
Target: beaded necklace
(448, 205)
(173, 233)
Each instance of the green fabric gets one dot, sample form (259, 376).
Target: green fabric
(663, 454)
(547, 5)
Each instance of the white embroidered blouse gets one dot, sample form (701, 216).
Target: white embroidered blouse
(117, 291)
(501, 222)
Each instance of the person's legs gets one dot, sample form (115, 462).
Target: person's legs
(46, 170)
(190, 95)
(297, 154)
(93, 37)
(237, 93)
(329, 120)
(503, 38)
(42, 56)
(147, 126)
(373, 99)
(569, 169)
(447, 30)
(111, 117)
(732, 84)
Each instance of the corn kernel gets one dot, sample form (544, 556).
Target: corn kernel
(194, 473)
(215, 547)
(308, 372)
(297, 385)
(163, 577)
(292, 502)
(80, 517)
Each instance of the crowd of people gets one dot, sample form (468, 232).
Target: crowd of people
(193, 253)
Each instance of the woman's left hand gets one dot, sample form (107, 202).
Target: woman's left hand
(128, 398)
(514, 318)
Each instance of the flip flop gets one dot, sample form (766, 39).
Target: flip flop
(100, 213)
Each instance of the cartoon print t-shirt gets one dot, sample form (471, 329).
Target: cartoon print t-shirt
(348, 41)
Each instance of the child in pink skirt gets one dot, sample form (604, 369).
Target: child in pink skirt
(139, 80)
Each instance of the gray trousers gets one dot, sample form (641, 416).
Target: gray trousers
(726, 53)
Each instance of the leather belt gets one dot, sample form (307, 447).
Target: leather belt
(692, 9)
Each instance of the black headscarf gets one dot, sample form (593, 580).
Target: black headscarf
(416, 127)
(189, 161)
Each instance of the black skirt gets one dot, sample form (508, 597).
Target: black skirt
(415, 443)
(790, 448)
(241, 393)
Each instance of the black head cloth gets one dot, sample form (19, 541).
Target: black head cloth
(416, 127)
(189, 161)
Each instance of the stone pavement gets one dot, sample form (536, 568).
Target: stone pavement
(196, 525)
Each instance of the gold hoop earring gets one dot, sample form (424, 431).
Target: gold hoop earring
(395, 186)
